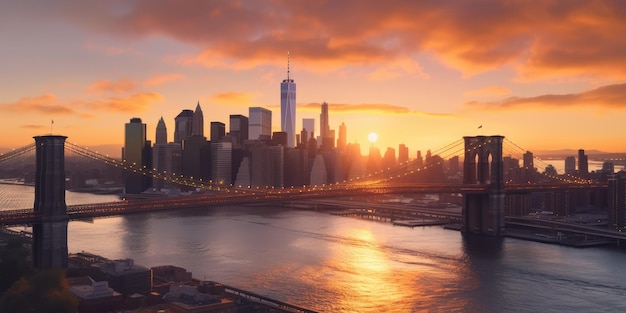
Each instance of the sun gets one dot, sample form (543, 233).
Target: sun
(372, 137)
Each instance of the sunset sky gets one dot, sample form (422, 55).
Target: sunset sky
(545, 74)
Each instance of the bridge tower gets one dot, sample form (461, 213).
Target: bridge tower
(483, 212)
(50, 233)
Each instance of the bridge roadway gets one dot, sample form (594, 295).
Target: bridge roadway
(233, 196)
(246, 196)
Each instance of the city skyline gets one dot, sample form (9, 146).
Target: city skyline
(544, 75)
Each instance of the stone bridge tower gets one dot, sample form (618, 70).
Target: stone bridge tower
(50, 233)
(483, 212)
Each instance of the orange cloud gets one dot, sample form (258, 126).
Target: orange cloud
(609, 97)
(163, 78)
(542, 39)
(233, 98)
(106, 86)
(139, 102)
(368, 108)
(46, 103)
(49, 104)
(489, 91)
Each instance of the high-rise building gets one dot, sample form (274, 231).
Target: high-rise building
(197, 123)
(324, 123)
(403, 152)
(309, 125)
(260, 123)
(342, 141)
(583, 164)
(218, 131)
(288, 108)
(529, 160)
(221, 162)
(166, 157)
(137, 155)
(239, 128)
(161, 133)
(183, 125)
(570, 165)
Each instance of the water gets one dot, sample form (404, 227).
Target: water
(339, 264)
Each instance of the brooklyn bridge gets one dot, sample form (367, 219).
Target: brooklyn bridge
(488, 199)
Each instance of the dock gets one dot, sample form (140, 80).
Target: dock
(419, 222)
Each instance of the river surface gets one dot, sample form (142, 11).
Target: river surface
(341, 264)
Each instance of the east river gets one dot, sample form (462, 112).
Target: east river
(341, 264)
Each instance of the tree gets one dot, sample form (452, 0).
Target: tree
(46, 291)
(14, 264)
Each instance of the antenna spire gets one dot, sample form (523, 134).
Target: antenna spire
(287, 65)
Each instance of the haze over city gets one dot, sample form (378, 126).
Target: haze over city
(545, 74)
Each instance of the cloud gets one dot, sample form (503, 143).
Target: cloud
(540, 40)
(49, 104)
(609, 97)
(107, 86)
(234, 98)
(139, 102)
(489, 91)
(368, 108)
(163, 78)
(46, 103)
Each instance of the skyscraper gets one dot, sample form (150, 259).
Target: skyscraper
(343, 137)
(583, 164)
(166, 157)
(403, 153)
(218, 131)
(288, 108)
(197, 123)
(309, 125)
(161, 133)
(239, 128)
(570, 165)
(183, 125)
(137, 154)
(324, 126)
(260, 123)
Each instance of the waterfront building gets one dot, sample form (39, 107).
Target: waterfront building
(137, 154)
(95, 296)
(570, 165)
(221, 162)
(288, 107)
(616, 197)
(183, 125)
(126, 277)
(260, 123)
(583, 164)
(218, 131)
